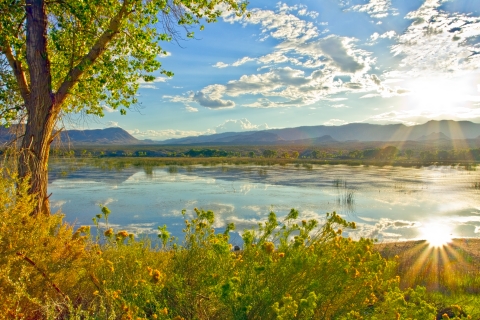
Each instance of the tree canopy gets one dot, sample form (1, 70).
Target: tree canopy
(98, 50)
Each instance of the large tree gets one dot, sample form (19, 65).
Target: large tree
(63, 56)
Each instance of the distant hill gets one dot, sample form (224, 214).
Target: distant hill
(441, 130)
(116, 136)
(444, 131)
(99, 136)
(434, 136)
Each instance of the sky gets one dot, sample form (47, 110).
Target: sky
(315, 62)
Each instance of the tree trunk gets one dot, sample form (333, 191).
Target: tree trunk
(40, 105)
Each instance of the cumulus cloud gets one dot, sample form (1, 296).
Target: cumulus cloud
(387, 35)
(210, 97)
(230, 125)
(242, 61)
(376, 8)
(208, 102)
(438, 41)
(239, 125)
(335, 48)
(220, 65)
(335, 122)
(110, 124)
(165, 54)
(282, 80)
(191, 109)
(166, 134)
(151, 84)
(108, 109)
(341, 105)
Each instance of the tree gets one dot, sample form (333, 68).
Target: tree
(409, 153)
(269, 153)
(67, 56)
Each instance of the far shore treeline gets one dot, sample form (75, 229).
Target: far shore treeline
(342, 154)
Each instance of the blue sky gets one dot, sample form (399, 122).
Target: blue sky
(316, 62)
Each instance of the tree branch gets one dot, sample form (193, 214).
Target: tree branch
(96, 51)
(17, 70)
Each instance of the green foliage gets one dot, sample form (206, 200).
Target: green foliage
(78, 29)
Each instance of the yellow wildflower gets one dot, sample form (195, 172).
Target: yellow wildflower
(269, 247)
(156, 275)
(122, 234)
(109, 232)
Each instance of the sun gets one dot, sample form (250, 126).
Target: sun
(437, 95)
(436, 234)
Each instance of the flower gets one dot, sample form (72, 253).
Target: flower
(156, 275)
(122, 234)
(269, 246)
(108, 233)
(281, 255)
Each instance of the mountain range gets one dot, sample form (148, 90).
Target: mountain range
(432, 130)
(443, 130)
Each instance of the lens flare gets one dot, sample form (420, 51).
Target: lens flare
(436, 234)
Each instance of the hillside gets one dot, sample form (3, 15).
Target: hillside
(442, 132)
(115, 136)
(432, 130)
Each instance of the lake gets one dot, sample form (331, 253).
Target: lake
(387, 203)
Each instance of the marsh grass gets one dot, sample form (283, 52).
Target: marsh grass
(287, 269)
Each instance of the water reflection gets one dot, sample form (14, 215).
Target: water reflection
(388, 203)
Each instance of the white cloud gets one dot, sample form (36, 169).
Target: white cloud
(165, 54)
(376, 8)
(191, 109)
(230, 125)
(110, 124)
(220, 65)
(439, 42)
(150, 84)
(239, 125)
(335, 122)
(387, 35)
(210, 97)
(300, 46)
(108, 109)
(242, 61)
(166, 134)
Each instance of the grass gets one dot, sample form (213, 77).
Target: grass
(286, 269)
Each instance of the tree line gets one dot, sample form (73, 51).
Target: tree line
(388, 153)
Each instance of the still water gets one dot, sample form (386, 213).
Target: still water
(387, 203)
